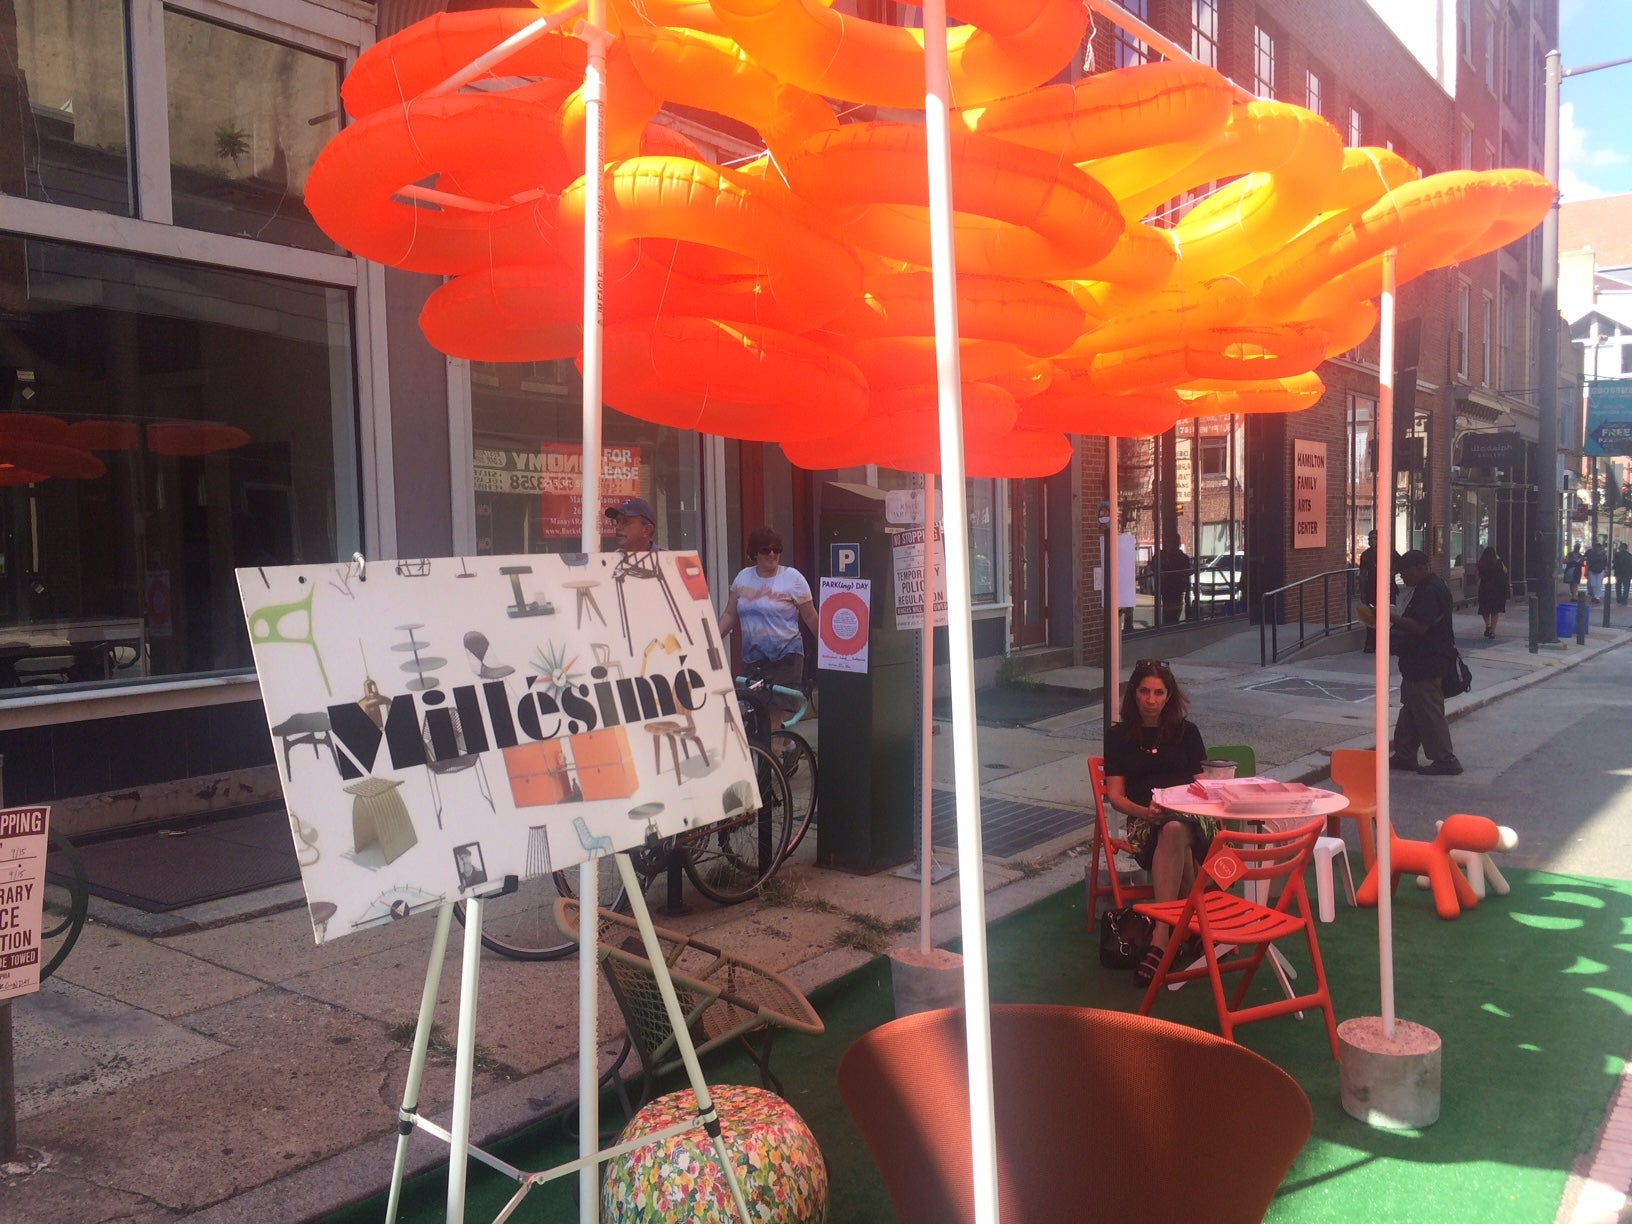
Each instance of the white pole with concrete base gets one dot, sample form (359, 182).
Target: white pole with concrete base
(1390, 1068)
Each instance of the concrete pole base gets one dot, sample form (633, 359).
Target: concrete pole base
(1389, 1084)
(925, 981)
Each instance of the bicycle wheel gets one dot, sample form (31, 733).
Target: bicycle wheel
(798, 761)
(521, 924)
(63, 919)
(728, 861)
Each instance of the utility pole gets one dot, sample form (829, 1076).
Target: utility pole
(1545, 570)
(1547, 561)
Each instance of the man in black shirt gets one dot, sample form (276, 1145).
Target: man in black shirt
(1425, 643)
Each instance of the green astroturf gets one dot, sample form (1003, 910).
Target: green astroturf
(1531, 994)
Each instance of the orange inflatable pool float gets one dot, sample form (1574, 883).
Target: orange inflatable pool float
(788, 298)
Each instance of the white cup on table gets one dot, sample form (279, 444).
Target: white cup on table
(1218, 769)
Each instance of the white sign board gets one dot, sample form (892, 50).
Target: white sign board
(1125, 581)
(442, 724)
(905, 507)
(909, 578)
(1308, 494)
(841, 639)
(22, 898)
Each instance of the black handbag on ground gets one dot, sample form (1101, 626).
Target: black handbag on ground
(1123, 937)
(1458, 679)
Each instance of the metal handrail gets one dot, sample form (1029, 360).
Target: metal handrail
(1270, 613)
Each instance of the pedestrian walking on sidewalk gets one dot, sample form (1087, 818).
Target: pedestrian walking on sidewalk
(1597, 569)
(1574, 563)
(768, 602)
(1622, 568)
(1368, 585)
(1426, 646)
(1495, 589)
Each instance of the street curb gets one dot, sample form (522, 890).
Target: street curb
(1314, 765)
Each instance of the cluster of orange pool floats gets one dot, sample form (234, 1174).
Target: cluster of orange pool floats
(788, 299)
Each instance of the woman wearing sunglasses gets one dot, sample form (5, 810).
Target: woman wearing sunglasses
(1155, 745)
(768, 600)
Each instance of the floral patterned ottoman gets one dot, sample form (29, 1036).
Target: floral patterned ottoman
(783, 1174)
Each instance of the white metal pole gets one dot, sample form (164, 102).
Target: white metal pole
(593, 32)
(1383, 513)
(464, 1061)
(926, 731)
(1113, 592)
(960, 628)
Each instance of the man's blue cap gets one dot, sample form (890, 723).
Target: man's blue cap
(633, 507)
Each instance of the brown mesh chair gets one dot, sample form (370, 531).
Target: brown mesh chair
(724, 998)
(1101, 1115)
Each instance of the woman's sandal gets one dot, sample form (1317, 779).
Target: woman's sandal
(1145, 972)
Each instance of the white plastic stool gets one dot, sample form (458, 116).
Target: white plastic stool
(1326, 849)
(1479, 867)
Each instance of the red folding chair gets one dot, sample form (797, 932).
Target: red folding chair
(1105, 847)
(1218, 917)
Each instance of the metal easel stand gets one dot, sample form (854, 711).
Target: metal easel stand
(457, 1137)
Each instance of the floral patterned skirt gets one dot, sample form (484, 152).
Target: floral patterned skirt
(1142, 835)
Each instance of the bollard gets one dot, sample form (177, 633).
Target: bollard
(1535, 625)
(1583, 611)
(1609, 590)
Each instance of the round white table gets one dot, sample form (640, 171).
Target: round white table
(1183, 799)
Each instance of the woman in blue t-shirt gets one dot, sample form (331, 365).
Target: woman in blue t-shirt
(768, 602)
(1155, 745)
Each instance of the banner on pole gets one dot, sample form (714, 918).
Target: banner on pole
(845, 612)
(908, 552)
(23, 833)
(1609, 417)
(441, 724)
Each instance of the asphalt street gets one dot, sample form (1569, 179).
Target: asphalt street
(1553, 761)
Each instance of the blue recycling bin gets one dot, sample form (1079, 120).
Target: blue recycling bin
(1566, 620)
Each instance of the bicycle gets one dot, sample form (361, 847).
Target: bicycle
(61, 926)
(791, 750)
(727, 861)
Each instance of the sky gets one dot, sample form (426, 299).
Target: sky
(1594, 136)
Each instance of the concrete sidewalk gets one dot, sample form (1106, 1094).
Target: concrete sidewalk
(215, 1063)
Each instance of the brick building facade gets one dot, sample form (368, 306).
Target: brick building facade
(1472, 100)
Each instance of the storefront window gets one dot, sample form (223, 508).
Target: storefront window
(1182, 498)
(64, 115)
(247, 119)
(984, 523)
(527, 422)
(161, 425)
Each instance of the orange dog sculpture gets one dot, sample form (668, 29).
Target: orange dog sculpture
(1452, 892)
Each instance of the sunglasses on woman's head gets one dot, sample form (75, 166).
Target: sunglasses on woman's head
(1150, 663)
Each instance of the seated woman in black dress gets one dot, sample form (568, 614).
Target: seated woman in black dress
(1155, 745)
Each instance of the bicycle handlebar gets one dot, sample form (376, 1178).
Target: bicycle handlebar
(759, 686)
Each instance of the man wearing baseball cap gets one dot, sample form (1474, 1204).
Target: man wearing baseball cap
(634, 522)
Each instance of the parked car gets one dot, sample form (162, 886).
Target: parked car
(1223, 578)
